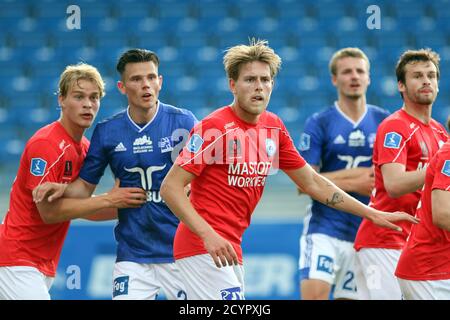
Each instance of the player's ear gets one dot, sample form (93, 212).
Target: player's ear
(121, 87)
(60, 100)
(232, 85)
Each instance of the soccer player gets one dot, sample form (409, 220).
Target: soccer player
(139, 144)
(423, 269)
(405, 143)
(228, 158)
(338, 142)
(31, 238)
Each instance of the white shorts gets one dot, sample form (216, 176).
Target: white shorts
(135, 281)
(205, 281)
(24, 283)
(425, 290)
(375, 277)
(329, 259)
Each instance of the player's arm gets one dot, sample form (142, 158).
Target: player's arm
(324, 191)
(173, 193)
(398, 182)
(360, 180)
(64, 209)
(440, 208)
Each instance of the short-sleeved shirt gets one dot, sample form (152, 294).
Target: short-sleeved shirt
(332, 141)
(403, 139)
(51, 155)
(231, 160)
(426, 255)
(140, 156)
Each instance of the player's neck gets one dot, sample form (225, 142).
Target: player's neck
(244, 115)
(142, 116)
(74, 131)
(419, 111)
(352, 108)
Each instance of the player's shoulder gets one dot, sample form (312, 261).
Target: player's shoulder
(326, 114)
(46, 138)
(111, 120)
(221, 118)
(396, 120)
(377, 110)
(176, 111)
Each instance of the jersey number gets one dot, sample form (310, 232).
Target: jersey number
(353, 162)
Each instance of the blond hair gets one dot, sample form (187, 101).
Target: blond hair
(344, 53)
(80, 71)
(257, 50)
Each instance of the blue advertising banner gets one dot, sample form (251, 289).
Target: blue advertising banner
(270, 260)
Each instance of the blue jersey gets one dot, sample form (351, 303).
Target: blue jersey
(332, 141)
(141, 157)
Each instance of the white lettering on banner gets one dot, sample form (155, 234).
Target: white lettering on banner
(100, 278)
(270, 274)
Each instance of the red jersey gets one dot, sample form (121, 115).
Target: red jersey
(231, 159)
(400, 138)
(426, 255)
(25, 240)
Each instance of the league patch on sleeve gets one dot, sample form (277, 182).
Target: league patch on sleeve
(392, 140)
(446, 168)
(37, 167)
(305, 141)
(195, 143)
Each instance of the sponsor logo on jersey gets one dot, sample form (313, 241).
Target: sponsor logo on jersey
(142, 144)
(229, 125)
(339, 140)
(120, 286)
(392, 140)
(62, 144)
(234, 149)
(37, 167)
(232, 294)
(325, 264)
(195, 143)
(165, 144)
(446, 168)
(68, 168)
(271, 147)
(120, 147)
(357, 139)
(305, 140)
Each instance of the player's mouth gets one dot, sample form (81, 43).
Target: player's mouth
(257, 98)
(147, 96)
(355, 86)
(426, 90)
(87, 116)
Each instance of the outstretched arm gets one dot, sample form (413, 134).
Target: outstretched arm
(323, 190)
(173, 193)
(64, 209)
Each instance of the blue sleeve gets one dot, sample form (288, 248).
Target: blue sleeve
(311, 141)
(96, 160)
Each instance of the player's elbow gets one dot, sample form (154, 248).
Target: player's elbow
(47, 215)
(393, 189)
(441, 218)
(165, 189)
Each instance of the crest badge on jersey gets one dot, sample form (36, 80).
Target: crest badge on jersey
(305, 140)
(195, 143)
(271, 147)
(446, 168)
(392, 140)
(37, 167)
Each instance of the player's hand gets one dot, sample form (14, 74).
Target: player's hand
(220, 250)
(126, 197)
(385, 219)
(51, 190)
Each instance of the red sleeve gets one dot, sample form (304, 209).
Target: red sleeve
(442, 174)
(204, 147)
(392, 142)
(41, 161)
(290, 159)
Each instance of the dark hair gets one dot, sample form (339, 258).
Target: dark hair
(412, 56)
(136, 55)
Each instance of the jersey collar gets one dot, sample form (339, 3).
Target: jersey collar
(355, 124)
(137, 127)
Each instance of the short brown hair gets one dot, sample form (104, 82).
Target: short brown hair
(412, 56)
(344, 53)
(80, 71)
(257, 50)
(134, 56)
